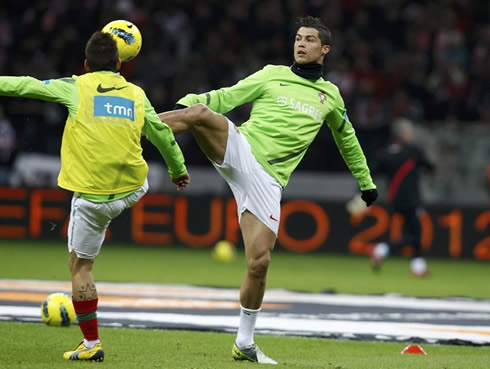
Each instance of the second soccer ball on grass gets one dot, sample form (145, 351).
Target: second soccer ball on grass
(224, 251)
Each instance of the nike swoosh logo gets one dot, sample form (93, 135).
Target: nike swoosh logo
(283, 84)
(270, 216)
(107, 89)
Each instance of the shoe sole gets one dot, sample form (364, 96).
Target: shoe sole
(240, 356)
(98, 357)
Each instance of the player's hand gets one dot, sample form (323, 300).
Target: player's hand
(369, 196)
(182, 182)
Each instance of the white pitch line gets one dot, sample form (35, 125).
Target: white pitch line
(476, 334)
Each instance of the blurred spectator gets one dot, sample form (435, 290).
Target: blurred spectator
(8, 148)
(424, 60)
(488, 182)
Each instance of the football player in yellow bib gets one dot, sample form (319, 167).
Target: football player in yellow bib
(101, 162)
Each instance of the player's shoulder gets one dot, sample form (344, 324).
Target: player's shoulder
(332, 87)
(135, 86)
(275, 69)
(61, 83)
(68, 79)
(137, 90)
(132, 85)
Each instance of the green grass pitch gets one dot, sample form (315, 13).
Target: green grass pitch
(34, 345)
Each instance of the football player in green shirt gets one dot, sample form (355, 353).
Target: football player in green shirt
(101, 162)
(290, 104)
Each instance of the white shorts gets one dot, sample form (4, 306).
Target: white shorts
(254, 189)
(89, 221)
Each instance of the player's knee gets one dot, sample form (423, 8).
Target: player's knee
(199, 113)
(257, 267)
(78, 265)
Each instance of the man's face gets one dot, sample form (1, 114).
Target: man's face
(308, 46)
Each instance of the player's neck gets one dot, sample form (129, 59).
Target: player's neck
(309, 71)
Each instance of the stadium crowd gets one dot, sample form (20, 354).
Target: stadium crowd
(423, 60)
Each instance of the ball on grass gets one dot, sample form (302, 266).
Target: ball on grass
(224, 251)
(57, 310)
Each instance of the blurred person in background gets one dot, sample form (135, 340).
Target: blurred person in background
(401, 163)
(290, 105)
(8, 148)
(487, 180)
(101, 162)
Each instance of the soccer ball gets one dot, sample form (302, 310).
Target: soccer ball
(224, 251)
(127, 36)
(58, 310)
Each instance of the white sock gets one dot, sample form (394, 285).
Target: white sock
(382, 250)
(245, 335)
(90, 344)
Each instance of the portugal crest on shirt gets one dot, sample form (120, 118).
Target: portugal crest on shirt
(322, 97)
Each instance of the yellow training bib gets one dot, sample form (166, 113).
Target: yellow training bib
(101, 149)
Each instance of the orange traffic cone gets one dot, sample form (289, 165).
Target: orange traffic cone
(413, 349)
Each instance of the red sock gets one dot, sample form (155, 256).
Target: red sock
(87, 318)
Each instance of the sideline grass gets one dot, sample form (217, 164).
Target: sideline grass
(301, 272)
(36, 346)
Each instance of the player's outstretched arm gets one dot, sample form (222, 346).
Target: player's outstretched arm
(54, 90)
(160, 135)
(345, 138)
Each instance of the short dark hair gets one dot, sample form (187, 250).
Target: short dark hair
(314, 22)
(101, 52)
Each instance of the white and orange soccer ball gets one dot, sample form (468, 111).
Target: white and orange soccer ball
(127, 36)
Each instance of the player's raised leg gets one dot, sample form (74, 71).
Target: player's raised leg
(210, 129)
(259, 242)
